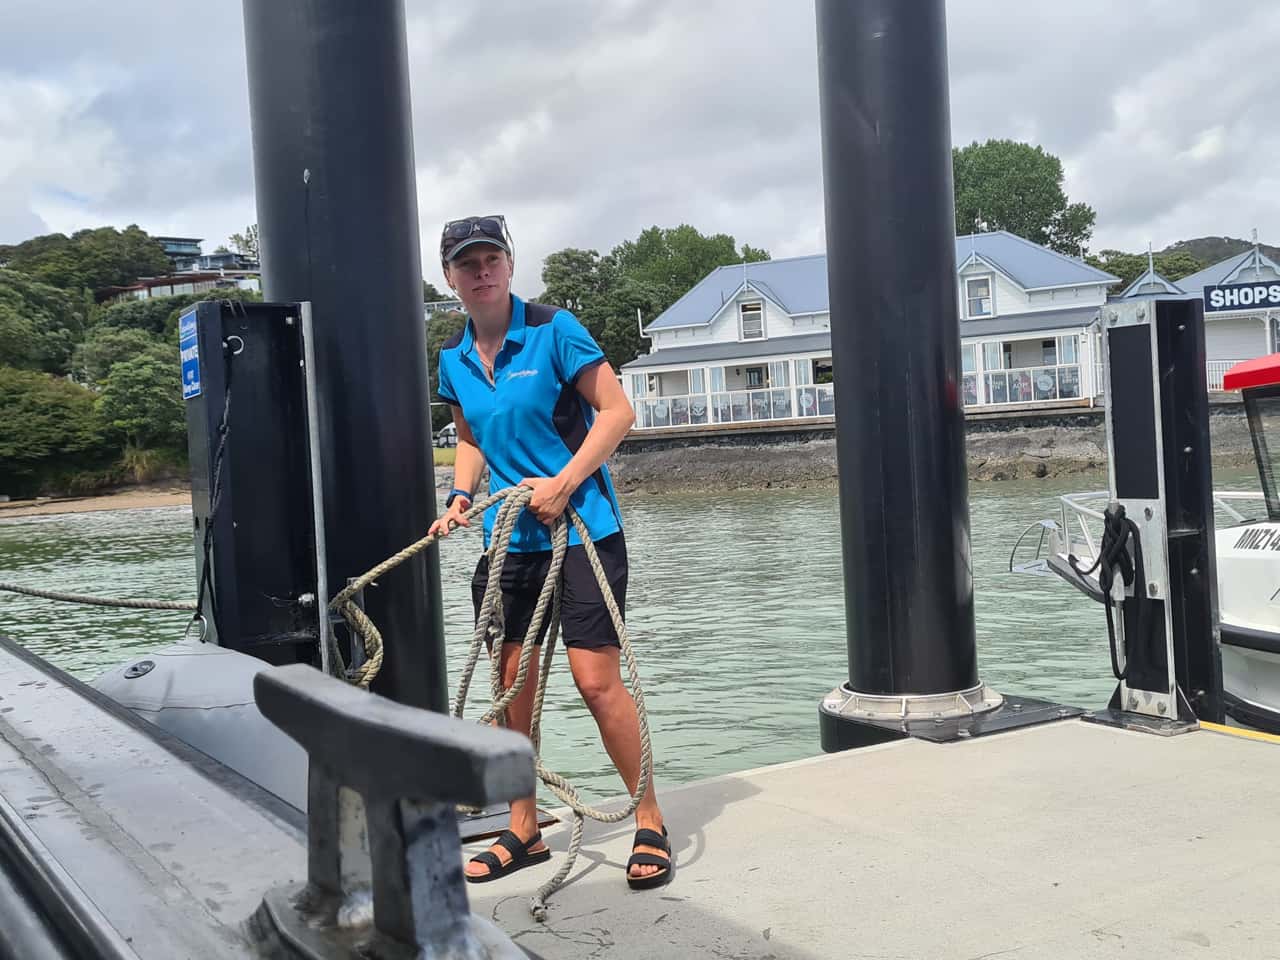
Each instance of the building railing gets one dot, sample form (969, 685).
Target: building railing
(1024, 385)
(736, 406)
(1216, 369)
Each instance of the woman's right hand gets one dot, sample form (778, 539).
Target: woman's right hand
(454, 516)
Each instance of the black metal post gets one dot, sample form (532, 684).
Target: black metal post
(882, 73)
(338, 223)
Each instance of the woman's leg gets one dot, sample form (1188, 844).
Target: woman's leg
(524, 812)
(596, 673)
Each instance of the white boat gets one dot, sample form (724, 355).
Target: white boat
(1246, 551)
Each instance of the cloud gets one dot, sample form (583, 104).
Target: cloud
(586, 122)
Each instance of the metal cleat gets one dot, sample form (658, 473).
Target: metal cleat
(384, 860)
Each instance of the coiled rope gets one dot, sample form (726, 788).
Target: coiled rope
(490, 625)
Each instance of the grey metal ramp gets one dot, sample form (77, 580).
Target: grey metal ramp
(1070, 841)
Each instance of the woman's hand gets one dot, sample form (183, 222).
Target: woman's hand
(550, 497)
(454, 516)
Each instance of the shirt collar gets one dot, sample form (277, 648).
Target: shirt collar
(515, 332)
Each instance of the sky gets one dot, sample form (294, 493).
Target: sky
(585, 121)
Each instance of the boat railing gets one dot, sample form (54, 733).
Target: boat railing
(1077, 529)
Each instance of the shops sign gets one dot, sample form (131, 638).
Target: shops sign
(1240, 296)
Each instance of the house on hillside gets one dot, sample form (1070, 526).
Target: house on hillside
(1233, 331)
(752, 342)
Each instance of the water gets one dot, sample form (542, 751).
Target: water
(735, 608)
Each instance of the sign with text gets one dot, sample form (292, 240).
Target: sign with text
(1240, 296)
(189, 351)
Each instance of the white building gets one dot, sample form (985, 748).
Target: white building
(752, 342)
(1231, 333)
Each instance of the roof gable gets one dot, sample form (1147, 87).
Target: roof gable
(1225, 271)
(1150, 279)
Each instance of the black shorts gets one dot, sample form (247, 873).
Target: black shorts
(584, 619)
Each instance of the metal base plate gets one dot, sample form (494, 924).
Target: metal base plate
(492, 820)
(843, 733)
(1141, 723)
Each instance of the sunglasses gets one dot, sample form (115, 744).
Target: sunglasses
(458, 231)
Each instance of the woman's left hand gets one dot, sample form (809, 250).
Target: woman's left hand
(550, 497)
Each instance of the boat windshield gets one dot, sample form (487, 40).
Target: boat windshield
(1263, 407)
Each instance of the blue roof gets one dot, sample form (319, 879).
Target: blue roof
(1218, 273)
(799, 284)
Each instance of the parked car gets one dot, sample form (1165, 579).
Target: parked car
(447, 436)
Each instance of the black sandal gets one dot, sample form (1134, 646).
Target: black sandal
(648, 838)
(520, 857)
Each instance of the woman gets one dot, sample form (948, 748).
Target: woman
(534, 398)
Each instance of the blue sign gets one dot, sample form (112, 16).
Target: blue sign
(1240, 296)
(189, 351)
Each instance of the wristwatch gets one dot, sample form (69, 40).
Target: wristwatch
(454, 494)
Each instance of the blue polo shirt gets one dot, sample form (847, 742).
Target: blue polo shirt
(531, 420)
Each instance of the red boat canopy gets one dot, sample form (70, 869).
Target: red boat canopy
(1259, 372)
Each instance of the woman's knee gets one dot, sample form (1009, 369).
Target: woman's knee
(600, 689)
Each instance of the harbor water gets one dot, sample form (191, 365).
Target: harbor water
(735, 607)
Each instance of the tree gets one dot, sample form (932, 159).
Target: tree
(94, 259)
(38, 324)
(1129, 266)
(246, 244)
(649, 274)
(431, 295)
(1018, 187)
(49, 424)
(221, 248)
(675, 259)
(571, 278)
(440, 327)
(106, 346)
(142, 399)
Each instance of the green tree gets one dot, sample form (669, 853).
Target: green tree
(141, 399)
(440, 327)
(571, 278)
(613, 321)
(1129, 266)
(106, 346)
(39, 324)
(246, 244)
(1018, 187)
(676, 258)
(431, 295)
(49, 424)
(94, 258)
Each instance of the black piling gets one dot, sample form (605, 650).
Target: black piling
(882, 72)
(338, 223)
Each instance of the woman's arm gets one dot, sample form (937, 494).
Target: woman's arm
(599, 386)
(468, 465)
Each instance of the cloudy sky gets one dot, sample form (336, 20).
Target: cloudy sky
(592, 119)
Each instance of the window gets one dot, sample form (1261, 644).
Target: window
(993, 355)
(751, 318)
(1048, 352)
(804, 373)
(969, 358)
(717, 379)
(978, 293)
(1068, 348)
(755, 377)
(639, 386)
(697, 381)
(779, 374)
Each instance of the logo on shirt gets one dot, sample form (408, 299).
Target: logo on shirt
(521, 373)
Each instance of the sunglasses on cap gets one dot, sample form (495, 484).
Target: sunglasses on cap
(459, 234)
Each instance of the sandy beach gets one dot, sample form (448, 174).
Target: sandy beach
(170, 495)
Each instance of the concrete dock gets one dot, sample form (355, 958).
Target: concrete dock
(1070, 840)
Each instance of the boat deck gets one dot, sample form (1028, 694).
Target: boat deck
(1070, 840)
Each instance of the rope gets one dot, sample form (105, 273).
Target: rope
(490, 625)
(98, 601)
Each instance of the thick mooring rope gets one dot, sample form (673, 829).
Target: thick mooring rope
(490, 623)
(98, 601)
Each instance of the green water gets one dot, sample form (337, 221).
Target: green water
(735, 607)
